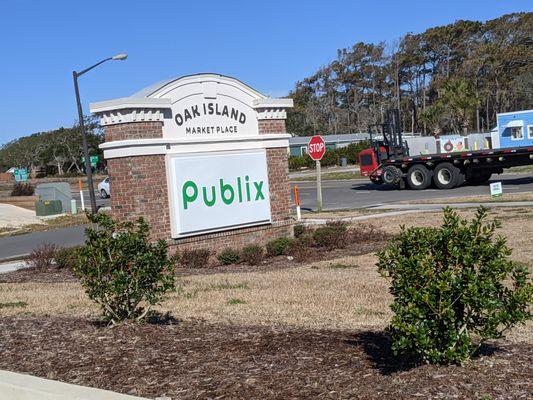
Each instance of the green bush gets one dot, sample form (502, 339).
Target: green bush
(252, 255)
(121, 270)
(451, 284)
(301, 249)
(229, 256)
(331, 236)
(197, 258)
(298, 162)
(299, 230)
(351, 152)
(22, 189)
(330, 158)
(66, 257)
(277, 247)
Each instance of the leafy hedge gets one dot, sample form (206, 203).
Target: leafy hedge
(331, 157)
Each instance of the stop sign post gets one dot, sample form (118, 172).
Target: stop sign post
(316, 149)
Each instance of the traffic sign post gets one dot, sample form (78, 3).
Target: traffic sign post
(316, 149)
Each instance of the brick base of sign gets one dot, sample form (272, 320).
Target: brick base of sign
(237, 238)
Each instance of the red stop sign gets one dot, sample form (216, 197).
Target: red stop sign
(316, 148)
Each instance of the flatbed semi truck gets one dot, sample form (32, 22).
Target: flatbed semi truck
(388, 161)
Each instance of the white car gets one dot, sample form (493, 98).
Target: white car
(103, 188)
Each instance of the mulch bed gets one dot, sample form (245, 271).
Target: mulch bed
(54, 274)
(282, 262)
(51, 274)
(199, 360)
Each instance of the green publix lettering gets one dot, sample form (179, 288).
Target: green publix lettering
(227, 193)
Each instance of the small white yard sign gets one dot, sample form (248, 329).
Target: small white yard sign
(496, 189)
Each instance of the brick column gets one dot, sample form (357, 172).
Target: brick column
(278, 172)
(138, 184)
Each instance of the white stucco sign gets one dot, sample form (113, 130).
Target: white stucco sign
(217, 191)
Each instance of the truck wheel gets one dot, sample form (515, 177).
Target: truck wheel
(418, 177)
(391, 175)
(461, 178)
(446, 176)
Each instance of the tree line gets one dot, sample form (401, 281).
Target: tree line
(59, 151)
(452, 78)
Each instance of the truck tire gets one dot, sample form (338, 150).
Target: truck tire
(446, 176)
(418, 177)
(391, 175)
(461, 178)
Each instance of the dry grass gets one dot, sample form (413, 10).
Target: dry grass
(338, 214)
(517, 226)
(506, 197)
(345, 293)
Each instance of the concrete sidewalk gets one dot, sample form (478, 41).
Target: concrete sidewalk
(402, 209)
(13, 216)
(15, 386)
(11, 266)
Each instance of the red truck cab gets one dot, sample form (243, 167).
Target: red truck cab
(368, 160)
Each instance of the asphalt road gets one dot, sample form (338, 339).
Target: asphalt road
(346, 194)
(21, 245)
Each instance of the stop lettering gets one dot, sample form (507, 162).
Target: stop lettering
(316, 147)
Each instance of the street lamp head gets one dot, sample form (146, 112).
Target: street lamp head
(121, 56)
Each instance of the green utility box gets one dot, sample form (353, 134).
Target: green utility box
(48, 207)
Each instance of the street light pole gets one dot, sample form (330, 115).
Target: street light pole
(88, 170)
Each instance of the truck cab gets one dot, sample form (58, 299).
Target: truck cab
(369, 160)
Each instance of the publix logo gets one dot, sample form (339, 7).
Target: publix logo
(242, 190)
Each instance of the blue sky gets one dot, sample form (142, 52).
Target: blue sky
(267, 44)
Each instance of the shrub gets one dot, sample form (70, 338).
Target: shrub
(277, 247)
(66, 257)
(331, 158)
(121, 270)
(302, 248)
(42, 257)
(299, 162)
(299, 230)
(331, 236)
(252, 255)
(448, 286)
(229, 256)
(366, 233)
(193, 258)
(22, 189)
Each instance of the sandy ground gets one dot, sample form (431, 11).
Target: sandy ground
(14, 217)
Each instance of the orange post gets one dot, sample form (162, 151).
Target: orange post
(297, 200)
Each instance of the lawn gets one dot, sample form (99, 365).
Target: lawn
(330, 176)
(279, 330)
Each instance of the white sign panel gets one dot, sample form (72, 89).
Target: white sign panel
(217, 191)
(496, 189)
(197, 117)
